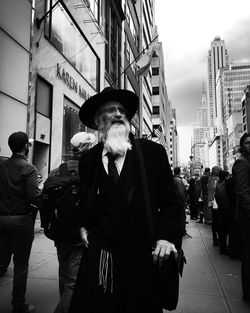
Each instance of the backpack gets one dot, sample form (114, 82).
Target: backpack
(59, 205)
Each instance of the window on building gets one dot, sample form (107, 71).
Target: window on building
(71, 126)
(155, 71)
(155, 91)
(113, 37)
(44, 98)
(65, 34)
(156, 110)
(94, 7)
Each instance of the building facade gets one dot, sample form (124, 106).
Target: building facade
(217, 58)
(161, 104)
(15, 59)
(65, 52)
(246, 109)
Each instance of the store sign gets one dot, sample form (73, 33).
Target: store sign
(70, 82)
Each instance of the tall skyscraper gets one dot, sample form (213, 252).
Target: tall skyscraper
(203, 109)
(217, 58)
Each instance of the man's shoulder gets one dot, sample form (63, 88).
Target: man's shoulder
(27, 166)
(149, 144)
(241, 161)
(92, 152)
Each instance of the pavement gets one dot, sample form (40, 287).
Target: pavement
(211, 282)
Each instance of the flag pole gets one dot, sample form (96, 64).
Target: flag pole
(139, 55)
(38, 21)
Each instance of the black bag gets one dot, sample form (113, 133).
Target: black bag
(59, 206)
(167, 280)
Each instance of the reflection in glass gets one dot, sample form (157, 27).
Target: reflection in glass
(67, 38)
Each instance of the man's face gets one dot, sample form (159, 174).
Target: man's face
(113, 127)
(111, 112)
(246, 145)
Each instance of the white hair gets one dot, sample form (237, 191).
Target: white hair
(116, 138)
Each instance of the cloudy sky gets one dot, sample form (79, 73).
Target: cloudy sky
(186, 29)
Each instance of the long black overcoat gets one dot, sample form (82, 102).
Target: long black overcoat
(165, 212)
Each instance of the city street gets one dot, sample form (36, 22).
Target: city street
(210, 284)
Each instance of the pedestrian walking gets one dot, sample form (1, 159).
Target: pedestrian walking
(19, 194)
(193, 199)
(241, 176)
(131, 219)
(204, 196)
(222, 201)
(182, 192)
(63, 185)
(212, 204)
(200, 200)
(234, 241)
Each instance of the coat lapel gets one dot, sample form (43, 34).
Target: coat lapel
(132, 179)
(93, 187)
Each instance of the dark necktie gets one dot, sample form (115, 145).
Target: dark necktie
(112, 169)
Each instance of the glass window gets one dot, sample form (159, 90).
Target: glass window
(155, 90)
(44, 98)
(113, 45)
(94, 7)
(155, 70)
(69, 40)
(156, 110)
(71, 126)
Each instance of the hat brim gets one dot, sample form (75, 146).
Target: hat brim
(90, 107)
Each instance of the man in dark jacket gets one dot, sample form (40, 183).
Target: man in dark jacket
(241, 176)
(204, 196)
(130, 212)
(19, 194)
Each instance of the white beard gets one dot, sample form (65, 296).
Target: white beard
(117, 141)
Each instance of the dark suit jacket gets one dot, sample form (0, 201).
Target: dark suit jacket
(164, 202)
(139, 275)
(241, 176)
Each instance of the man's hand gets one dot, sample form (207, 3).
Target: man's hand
(163, 250)
(84, 236)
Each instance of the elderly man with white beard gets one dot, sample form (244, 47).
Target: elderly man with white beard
(130, 217)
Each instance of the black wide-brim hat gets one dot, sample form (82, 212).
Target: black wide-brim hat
(90, 107)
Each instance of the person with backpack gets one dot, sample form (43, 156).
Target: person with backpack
(59, 213)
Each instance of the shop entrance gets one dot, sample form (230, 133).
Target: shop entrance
(41, 158)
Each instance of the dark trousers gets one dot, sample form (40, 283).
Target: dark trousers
(69, 258)
(245, 258)
(223, 229)
(193, 209)
(16, 235)
(215, 225)
(234, 237)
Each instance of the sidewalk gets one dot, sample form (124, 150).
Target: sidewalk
(211, 282)
(42, 286)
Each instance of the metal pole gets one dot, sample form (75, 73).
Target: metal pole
(39, 20)
(139, 55)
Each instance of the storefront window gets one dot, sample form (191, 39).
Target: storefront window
(71, 126)
(69, 40)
